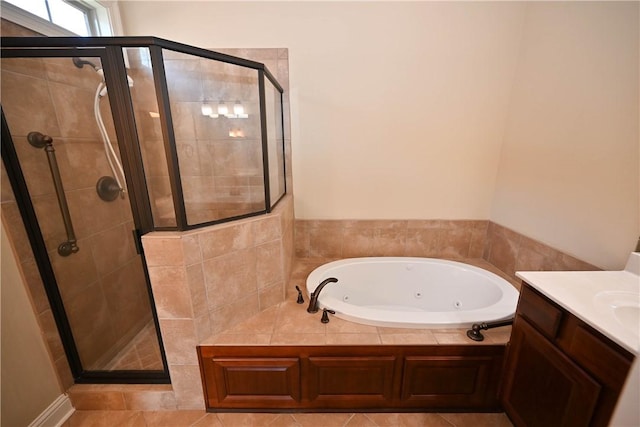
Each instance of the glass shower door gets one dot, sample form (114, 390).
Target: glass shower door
(58, 113)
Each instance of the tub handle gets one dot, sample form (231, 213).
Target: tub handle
(300, 298)
(325, 315)
(474, 332)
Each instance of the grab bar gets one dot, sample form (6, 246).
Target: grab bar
(39, 140)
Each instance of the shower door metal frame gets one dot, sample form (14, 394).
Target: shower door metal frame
(121, 108)
(110, 52)
(113, 47)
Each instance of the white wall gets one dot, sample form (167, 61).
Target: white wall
(569, 169)
(29, 382)
(400, 110)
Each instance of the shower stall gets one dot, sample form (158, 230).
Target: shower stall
(107, 139)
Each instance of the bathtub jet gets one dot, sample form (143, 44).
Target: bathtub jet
(407, 292)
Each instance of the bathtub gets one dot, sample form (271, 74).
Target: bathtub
(413, 292)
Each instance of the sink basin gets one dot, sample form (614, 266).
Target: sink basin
(625, 307)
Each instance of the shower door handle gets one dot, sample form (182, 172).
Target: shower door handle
(39, 140)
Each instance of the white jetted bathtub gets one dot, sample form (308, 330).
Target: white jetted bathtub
(413, 292)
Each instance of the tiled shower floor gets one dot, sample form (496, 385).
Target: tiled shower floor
(202, 419)
(142, 353)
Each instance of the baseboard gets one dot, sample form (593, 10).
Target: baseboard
(56, 414)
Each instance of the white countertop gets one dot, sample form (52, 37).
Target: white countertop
(590, 295)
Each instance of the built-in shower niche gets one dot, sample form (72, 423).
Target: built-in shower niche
(135, 152)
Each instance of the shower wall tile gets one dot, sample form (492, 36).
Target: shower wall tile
(90, 215)
(35, 286)
(82, 162)
(50, 220)
(11, 217)
(230, 277)
(164, 251)
(191, 249)
(197, 290)
(231, 272)
(171, 292)
(74, 273)
(50, 333)
(179, 338)
(62, 70)
(271, 295)
(150, 400)
(25, 114)
(113, 247)
(236, 312)
(72, 104)
(269, 264)
(226, 239)
(35, 166)
(34, 67)
(267, 230)
(187, 386)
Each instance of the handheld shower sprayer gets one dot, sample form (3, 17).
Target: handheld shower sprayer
(108, 188)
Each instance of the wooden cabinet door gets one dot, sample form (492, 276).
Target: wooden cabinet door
(351, 381)
(541, 386)
(255, 382)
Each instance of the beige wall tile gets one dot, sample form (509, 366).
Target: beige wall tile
(230, 315)
(163, 251)
(150, 400)
(179, 338)
(223, 239)
(195, 279)
(191, 249)
(171, 292)
(271, 295)
(230, 277)
(97, 400)
(187, 386)
(269, 264)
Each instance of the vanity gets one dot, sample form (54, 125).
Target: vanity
(573, 343)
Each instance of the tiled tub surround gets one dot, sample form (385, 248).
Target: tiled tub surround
(506, 249)
(288, 323)
(208, 280)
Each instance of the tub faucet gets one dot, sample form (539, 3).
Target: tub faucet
(313, 301)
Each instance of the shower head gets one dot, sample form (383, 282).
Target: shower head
(79, 62)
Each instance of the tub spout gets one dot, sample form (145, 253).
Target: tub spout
(313, 301)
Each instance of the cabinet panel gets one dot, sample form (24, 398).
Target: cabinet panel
(543, 387)
(540, 312)
(599, 358)
(351, 377)
(260, 381)
(325, 378)
(448, 381)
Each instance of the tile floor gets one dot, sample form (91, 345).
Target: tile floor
(203, 419)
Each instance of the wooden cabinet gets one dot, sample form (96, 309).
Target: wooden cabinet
(454, 377)
(559, 371)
